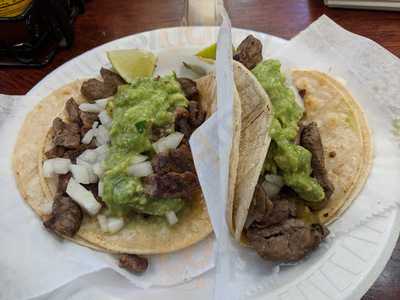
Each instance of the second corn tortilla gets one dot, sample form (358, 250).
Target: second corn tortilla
(344, 132)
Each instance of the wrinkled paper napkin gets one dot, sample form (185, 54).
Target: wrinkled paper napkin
(372, 74)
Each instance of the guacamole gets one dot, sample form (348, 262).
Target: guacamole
(292, 161)
(135, 109)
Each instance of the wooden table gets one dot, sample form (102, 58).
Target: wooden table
(107, 20)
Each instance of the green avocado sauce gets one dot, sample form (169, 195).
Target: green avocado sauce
(136, 107)
(284, 157)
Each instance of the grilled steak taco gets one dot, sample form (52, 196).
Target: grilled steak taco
(108, 165)
(301, 163)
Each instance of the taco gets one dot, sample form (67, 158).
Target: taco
(107, 164)
(300, 167)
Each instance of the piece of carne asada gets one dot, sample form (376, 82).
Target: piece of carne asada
(311, 140)
(287, 242)
(66, 217)
(133, 263)
(249, 52)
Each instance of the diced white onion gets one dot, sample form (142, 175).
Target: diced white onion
(89, 156)
(95, 124)
(92, 176)
(87, 138)
(139, 158)
(48, 170)
(98, 169)
(56, 166)
(103, 102)
(102, 136)
(83, 197)
(91, 107)
(114, 224)
(101, 152)
(171, 141)
(100, 188)
(274, 179)
(105, 119)
(102, 219)
(270, 188)
(171, 218)
(81, 173)
(61, 165)
(141, 169)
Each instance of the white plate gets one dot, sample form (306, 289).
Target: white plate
(344, 271)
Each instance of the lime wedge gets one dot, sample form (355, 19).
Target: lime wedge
(209, 52)
(132, 63)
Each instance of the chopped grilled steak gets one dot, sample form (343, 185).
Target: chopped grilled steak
(170, 185)
(87, 119)
(249, 52)
(197, 115)
(72, 110)
(110, 77)
(288, 242)
(189, 88)
(179, 161)
(311, 140)
(63, 180)
(260, 206)
(94, 89)
(133, 263)
(66, 217)
(186, 121)
(57, 151)
(74, 153)
(66, 134)
(182, 121)
(282, 210)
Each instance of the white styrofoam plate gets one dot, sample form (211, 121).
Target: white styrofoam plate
(345, 270)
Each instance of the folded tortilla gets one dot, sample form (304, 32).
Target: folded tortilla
(140, 237)
(344, 131)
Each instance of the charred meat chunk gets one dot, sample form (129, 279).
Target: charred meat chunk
(94, 89)
(186, 121)
(288, 242)
(260, 206)
(66, 217)
(171, 185)
(189, 88)
(182, 121)
(63, 180)
(72, 110)
(87, 120)
(197, 114)
(249, 52)
(57, 151)
(133, 263)
(74, 153)
(282, 210)
(179, 160)
(66, 134)
(110, 77)
(311, 140)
